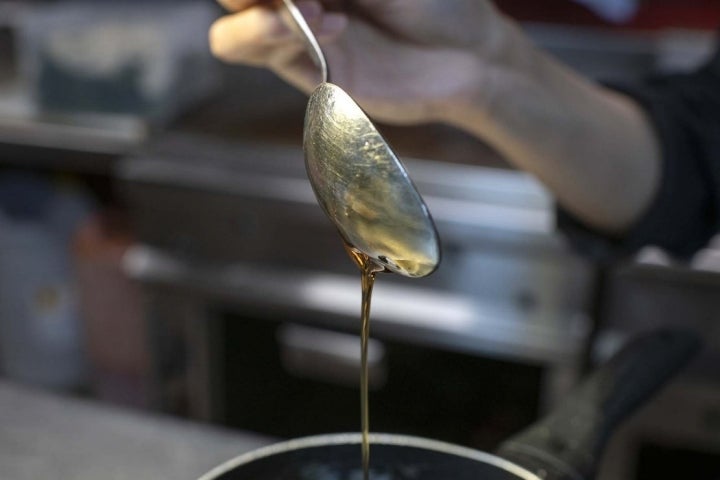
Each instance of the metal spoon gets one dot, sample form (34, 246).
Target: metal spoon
(358, 180)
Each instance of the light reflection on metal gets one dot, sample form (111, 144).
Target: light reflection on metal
(357, 178)
(364, 189)
(297, 22)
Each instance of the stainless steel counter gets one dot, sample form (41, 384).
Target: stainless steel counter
(44, 436)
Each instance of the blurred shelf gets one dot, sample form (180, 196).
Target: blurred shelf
(87, 143)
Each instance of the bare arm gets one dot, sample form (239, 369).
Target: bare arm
(592, 147)
(463, 63)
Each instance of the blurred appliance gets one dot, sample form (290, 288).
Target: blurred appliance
(678, 433)
(254, 303)
(146, 59)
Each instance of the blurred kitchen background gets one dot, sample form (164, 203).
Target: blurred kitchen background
(161, 249)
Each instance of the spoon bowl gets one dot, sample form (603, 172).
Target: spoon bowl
(364, 189)
(359, 181)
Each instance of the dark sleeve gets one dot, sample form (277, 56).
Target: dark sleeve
(685, 113)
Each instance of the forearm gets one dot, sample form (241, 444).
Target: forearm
(593, 148)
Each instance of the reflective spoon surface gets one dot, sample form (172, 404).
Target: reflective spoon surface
(358, 180)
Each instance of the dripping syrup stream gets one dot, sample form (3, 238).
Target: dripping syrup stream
(368, 269)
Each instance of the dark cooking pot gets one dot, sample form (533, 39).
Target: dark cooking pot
(565, 445)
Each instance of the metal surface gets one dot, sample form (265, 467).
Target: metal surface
(82, 133)
(44, 435)
(242, 230)
(359, 181)
(427, 317)
(507, 287)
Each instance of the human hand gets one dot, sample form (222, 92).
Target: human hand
(463, 63)
(404, 61)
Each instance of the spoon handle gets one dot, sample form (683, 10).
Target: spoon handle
(297, 22)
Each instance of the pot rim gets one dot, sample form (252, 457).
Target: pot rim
(334, 439)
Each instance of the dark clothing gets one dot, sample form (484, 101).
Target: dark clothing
(685, 111)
